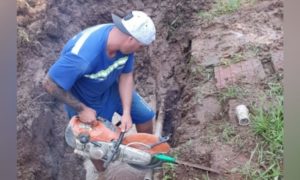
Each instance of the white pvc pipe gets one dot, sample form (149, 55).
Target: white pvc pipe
(242, 113)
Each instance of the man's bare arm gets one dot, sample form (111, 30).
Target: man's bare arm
(56, 91)
(85, 113)
(125, 89)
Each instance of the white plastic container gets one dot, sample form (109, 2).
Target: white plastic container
(242, 114)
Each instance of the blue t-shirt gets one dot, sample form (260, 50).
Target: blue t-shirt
(84, 67)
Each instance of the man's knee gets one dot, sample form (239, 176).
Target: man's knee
(146, 127)
(98, 164)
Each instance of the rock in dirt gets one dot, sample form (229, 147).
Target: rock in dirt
(52, 29)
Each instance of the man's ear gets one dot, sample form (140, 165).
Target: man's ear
(130, 38)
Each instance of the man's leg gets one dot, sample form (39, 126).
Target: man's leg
(98, 164)
(141, 114)
(146, 127)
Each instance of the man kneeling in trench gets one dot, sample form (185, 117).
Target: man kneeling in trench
(93, 76)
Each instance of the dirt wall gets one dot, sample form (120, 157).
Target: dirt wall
(43, 28)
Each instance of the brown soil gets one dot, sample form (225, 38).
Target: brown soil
(176, 75)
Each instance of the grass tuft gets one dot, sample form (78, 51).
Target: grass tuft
(268, 125)
(222, 7)
(231, 92)
(169, 171)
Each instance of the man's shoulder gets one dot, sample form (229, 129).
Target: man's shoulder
(92, 31)
(90, 41)
(97, 28)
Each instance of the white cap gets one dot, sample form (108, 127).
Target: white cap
(136, 24)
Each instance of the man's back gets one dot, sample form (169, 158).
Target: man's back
(84, 67)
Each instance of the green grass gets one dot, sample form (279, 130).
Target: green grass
(231, 92)
(169, 171)
(206, 176)
(228, 132)
(227, 6)
(235, 58)
(254, 49)
(238, 141)
(268, 125)
(222, 7)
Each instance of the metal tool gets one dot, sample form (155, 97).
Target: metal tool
(106, 142)
(173, 160)
(161, 140)
(114, 151)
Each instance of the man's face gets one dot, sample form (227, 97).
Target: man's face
(130, 45)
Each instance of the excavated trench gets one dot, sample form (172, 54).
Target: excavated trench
(43, 28)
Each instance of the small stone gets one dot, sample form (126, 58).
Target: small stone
(52, 29)
(180, 130)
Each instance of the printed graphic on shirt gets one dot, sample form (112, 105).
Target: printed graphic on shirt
(103, 74)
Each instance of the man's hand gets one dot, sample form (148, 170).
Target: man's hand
(87, 115)
(126, 122)
(126, 89)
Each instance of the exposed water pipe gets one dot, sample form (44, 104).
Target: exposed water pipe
(157, 132)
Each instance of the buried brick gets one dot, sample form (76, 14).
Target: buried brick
(250, 71)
